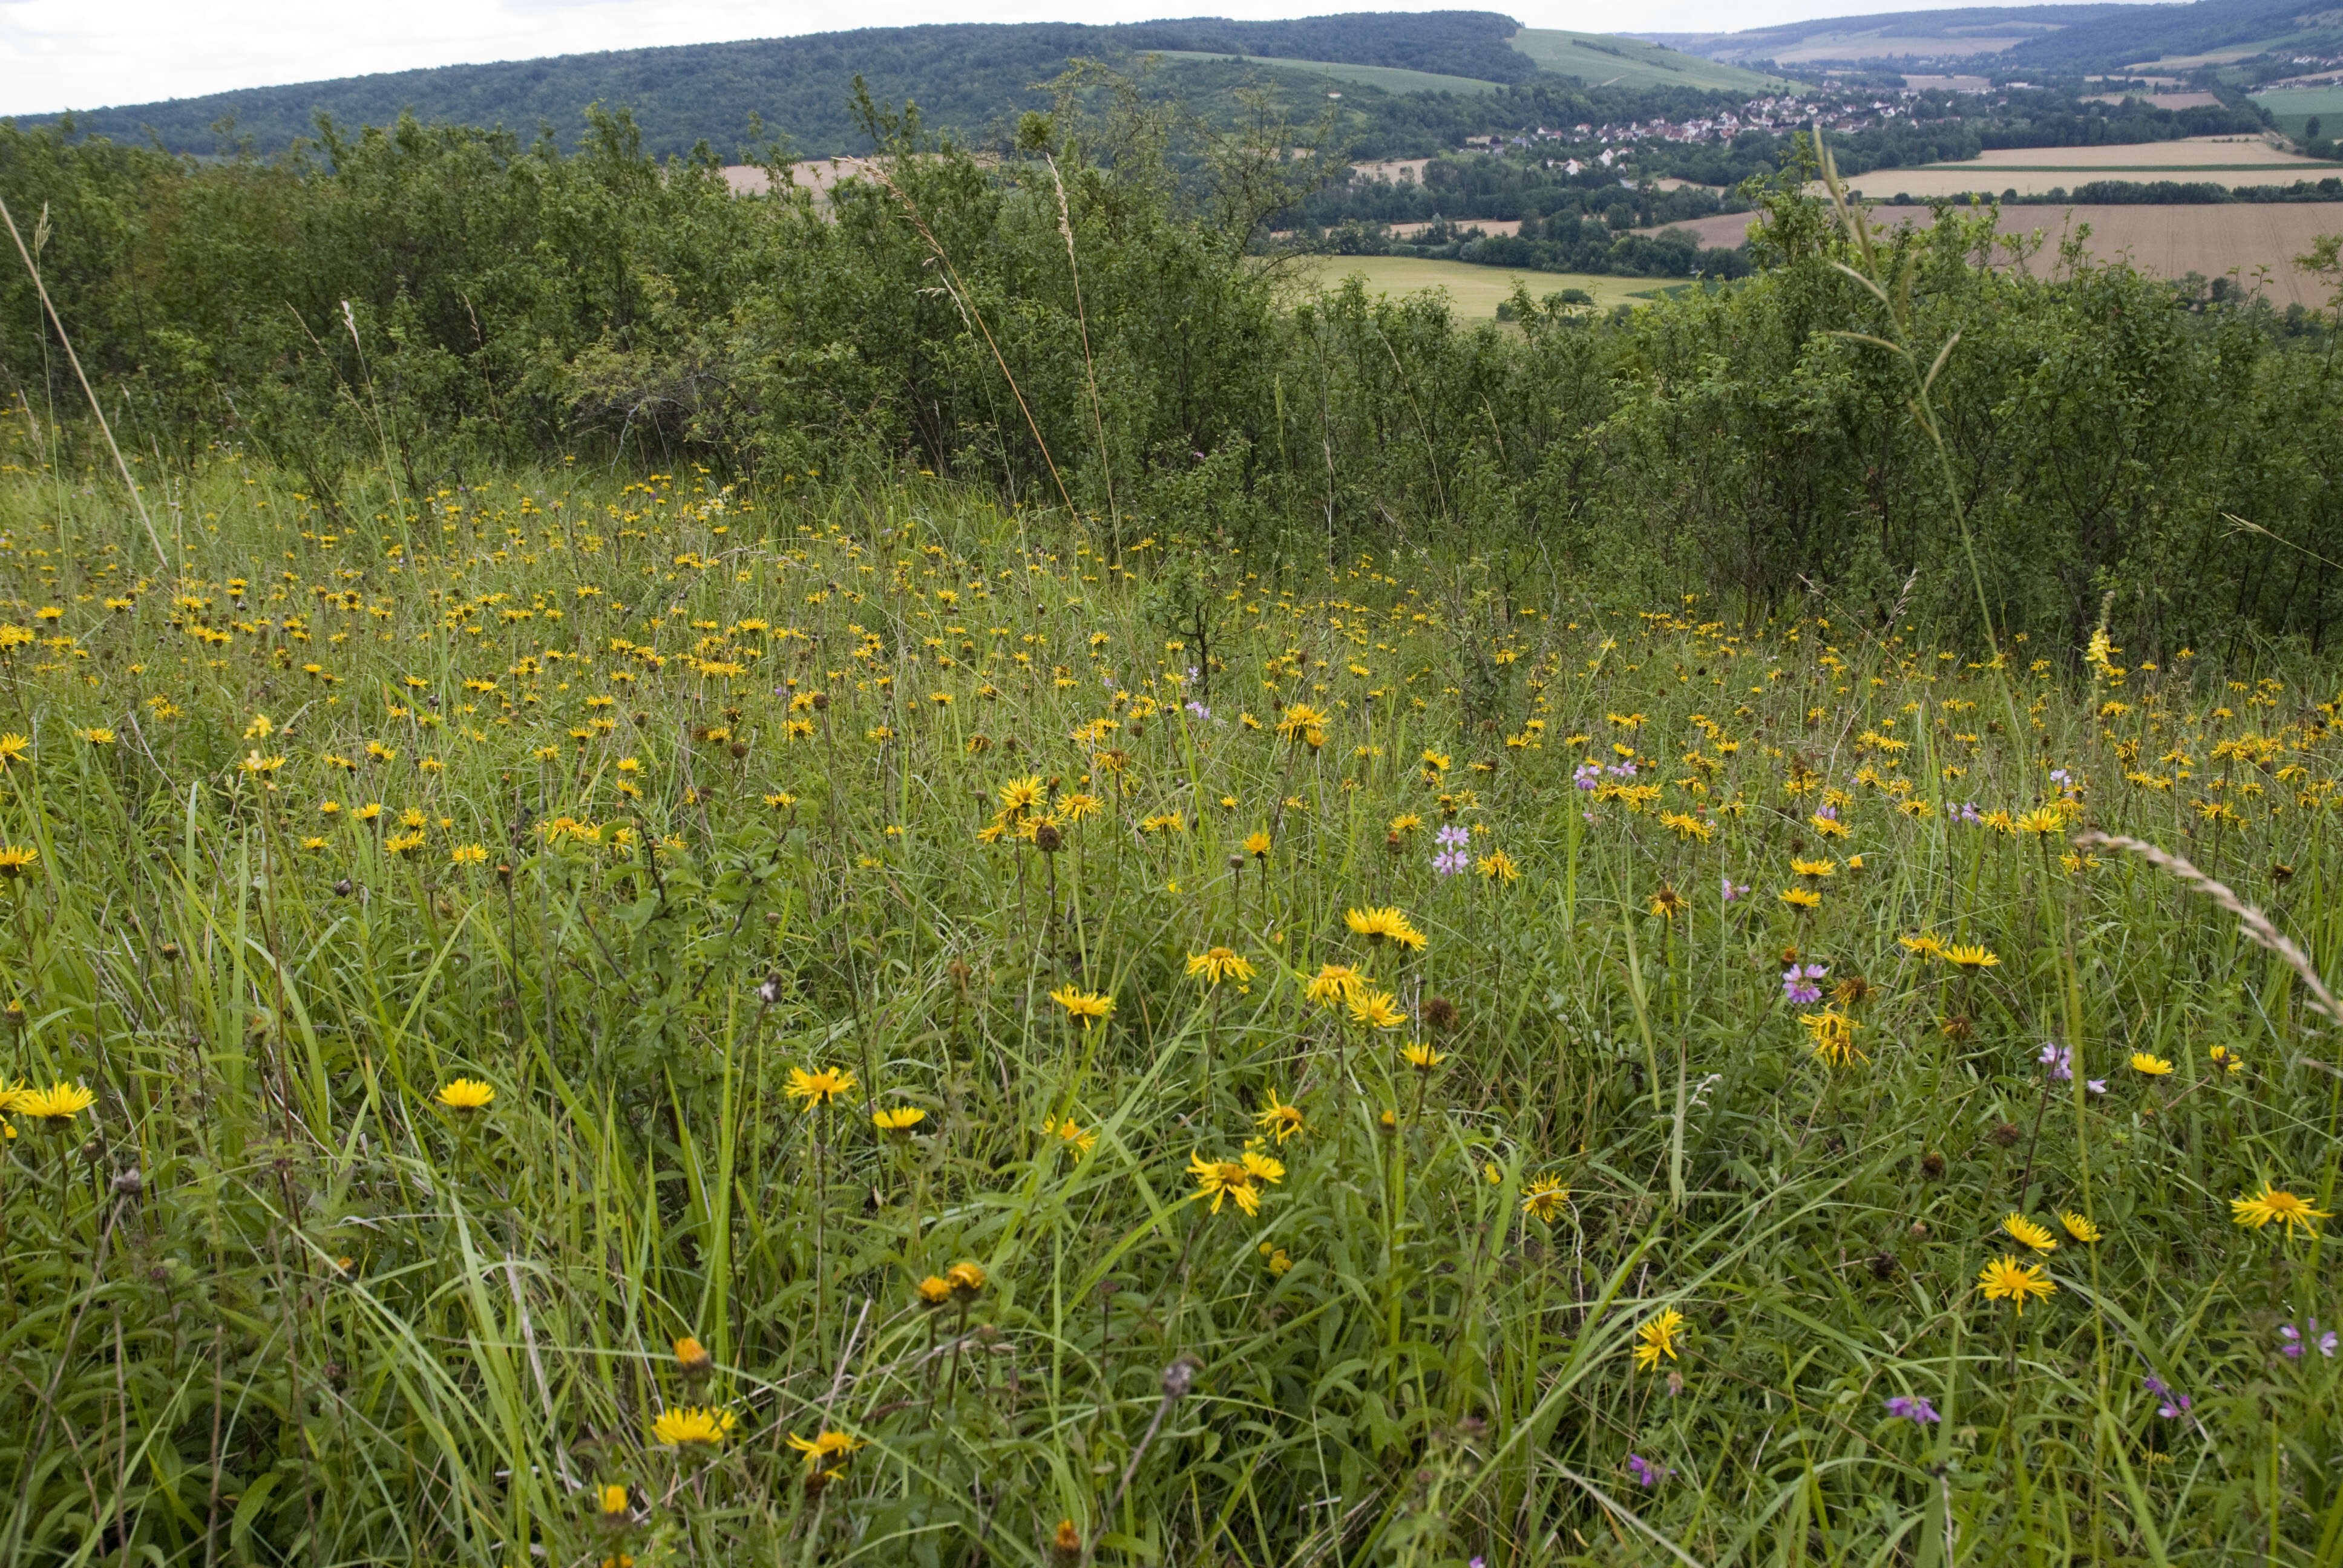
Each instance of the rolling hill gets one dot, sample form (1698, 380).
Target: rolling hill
(1601, 60)
(966, 77)
(2064, 39)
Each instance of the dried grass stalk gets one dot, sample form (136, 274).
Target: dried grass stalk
(2256, 924)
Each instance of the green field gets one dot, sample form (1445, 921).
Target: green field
(2293, 106)
(1389, 78)
(1477, 291)
(1600, 59)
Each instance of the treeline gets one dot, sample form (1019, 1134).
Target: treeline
(421, 303)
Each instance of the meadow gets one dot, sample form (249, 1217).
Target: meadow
(1473, 291)
(662, 1020)
(2037, 171)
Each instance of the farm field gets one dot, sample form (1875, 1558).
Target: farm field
(1476, 291)
(2169, 241)
(2034, 171)
(2294, 107)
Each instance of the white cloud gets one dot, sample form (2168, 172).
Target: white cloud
(88, 53)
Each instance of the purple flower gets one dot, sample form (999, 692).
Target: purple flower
(2298, 1342)
(1200, 711)
(1827, 813)
(1913, 1409)
(1454, 836)
(2059, 1060)
(1646, 1472)
(2096, 1085)
(1798, 983)
(2174, 1405)
(2060, 776)
(1969, 813)
(1450, 862)
(1587, 774)
(1733, 890)
(1623, 770)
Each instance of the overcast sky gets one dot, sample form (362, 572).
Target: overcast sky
(88, 53)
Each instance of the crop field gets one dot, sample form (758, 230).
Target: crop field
(1476, 291)
(663, 1021)
(2037, 171)
(2294, 107)
(2256, 240)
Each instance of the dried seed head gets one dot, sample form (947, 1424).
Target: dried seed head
(1439, 1013)
(2005, 1133)
(1933, 1163)
(1180, 1376)
(1047, 838)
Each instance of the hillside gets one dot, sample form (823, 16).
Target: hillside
(966, 77)
(1900, 35)
(2050, 39)
(1600, 60)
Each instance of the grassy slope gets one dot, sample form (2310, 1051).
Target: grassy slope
(1599, 59)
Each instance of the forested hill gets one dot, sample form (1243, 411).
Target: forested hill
(965, 75)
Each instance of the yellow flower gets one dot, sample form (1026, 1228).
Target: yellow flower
(693, 1424)
(1801, 899)
(1375, 1008)
(59, 1104)
(2081, 1228)
(2007, 1279)
(819, 1088)
(2153, 1066)
(1544, 1197)
(1278, 1120)
(2275, 1203)
(1420, 1057)
(1299, 721)
(1817, 868)
(612, 1500)
(14, 748)
(1833, 1033)
(1969, 956)
(1497, 866)
(2227, 1061)
(692, 1356)
(1217, 964)
(1385, 925)
(2042, 819)
(2036, 1236)
(15, 860)
(1922, 943)
(823, 1447)
(1335, 984)
(1084, 1007)
(1658, 1338)
(1406, 823)
(100, 735)
(1068, 1132)
(1020, 796)
(466, 1095)
(1828, 827)
(467, 854)
(898, 1117)
(1224, 1180)
(1257, 846)
(934, 1290)
(965, 1277)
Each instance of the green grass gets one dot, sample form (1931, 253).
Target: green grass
(1389, 78)
(1602, 59)
(691, 792)
(2294, 107)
